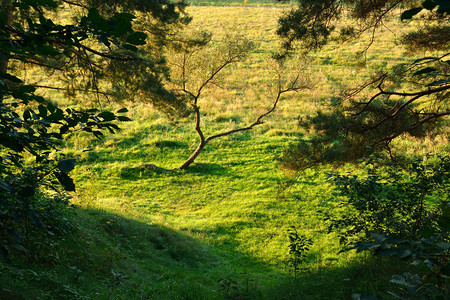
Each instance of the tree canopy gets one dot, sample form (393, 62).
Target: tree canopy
(409, 98)
(111, 49)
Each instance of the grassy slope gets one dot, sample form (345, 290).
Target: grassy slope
(175, 236)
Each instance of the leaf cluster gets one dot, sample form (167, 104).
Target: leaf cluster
(314, 23)
(394, 201)
(33, 176)
(403, 213)
(299, 246)
(31, 129)
(103, 51)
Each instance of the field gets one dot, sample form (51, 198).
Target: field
(218, 229)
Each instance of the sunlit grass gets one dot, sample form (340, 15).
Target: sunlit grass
(233, 198)
(177, 234)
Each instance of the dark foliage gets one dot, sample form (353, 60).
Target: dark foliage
(33, 176)
(403, 213)
(299, 246)
(410, 98)
(394, 201)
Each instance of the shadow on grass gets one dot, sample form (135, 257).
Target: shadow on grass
(143, 172)
(208, 169)
(108, 256)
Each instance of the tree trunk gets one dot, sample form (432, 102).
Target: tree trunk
(193, 156)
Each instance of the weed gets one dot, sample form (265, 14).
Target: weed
(298, 248)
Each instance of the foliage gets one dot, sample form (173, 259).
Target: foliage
(102, 52)
(395, 211)
(410, 98)
(394, 201)
(176, 234)
(100, 44)
(431, 252)
(28, 162)
(298, 247)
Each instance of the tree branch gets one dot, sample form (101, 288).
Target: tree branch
(259, 121)
(63, 89)
(75, 3)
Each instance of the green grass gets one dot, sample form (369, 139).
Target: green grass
(220, 227)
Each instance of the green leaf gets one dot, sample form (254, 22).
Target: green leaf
(63, 129)
(130, 47)
(42, 110)
(429, 4)
(51, 108)
(98, 134)
(123, 118)
(4, 186)
(96, 21)
(137, 38)
(439, 82)
(107, 116)
(84, 117)
(425, 71)
(124, 17)
(104, 40)
(123, 110)
(122, 24)
(26, 114)
(443, 245)
(56, 116)
(65, 181)
(27, 89)
(378, 237)
(10, 77)
(66, 165)
(34, 217)
(386, 252)
(404, 253)
(408, 14)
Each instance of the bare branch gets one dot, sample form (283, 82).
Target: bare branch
(106, 55)
(75, 3)
(259, 121)
(63, 89)
(214, 74)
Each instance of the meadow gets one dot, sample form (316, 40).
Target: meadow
(218, 229)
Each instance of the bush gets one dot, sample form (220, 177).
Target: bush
(394, 201)
(403, 212)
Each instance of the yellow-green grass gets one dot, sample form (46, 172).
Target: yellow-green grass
(179, 235)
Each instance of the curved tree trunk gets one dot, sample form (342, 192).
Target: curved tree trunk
(193, 156)
(204, 141)
(293, 85)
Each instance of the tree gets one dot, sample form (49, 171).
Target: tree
(396, 208)
(410, 98)
(196, 64)
(99, 51)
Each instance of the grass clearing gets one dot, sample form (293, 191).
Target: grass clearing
(218, 229)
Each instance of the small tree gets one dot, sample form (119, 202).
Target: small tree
(197, 65)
